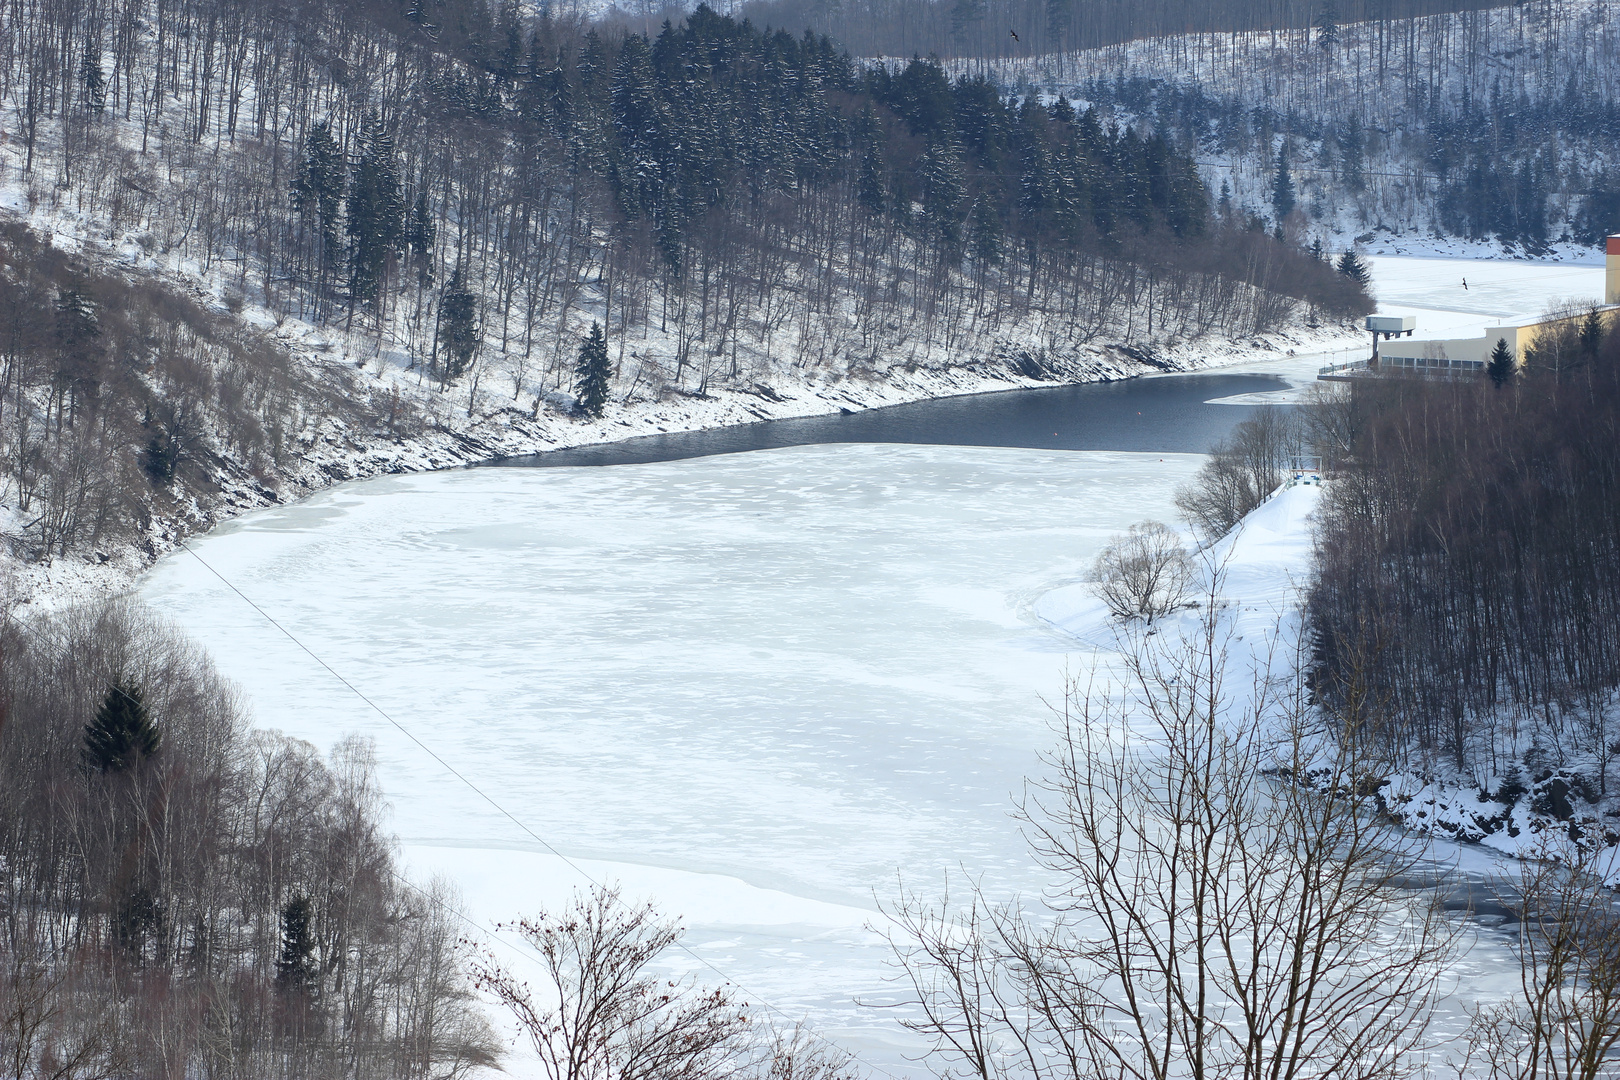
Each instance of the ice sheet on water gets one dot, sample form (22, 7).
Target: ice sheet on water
(806, 669)
(1433, 290)
(756, 688)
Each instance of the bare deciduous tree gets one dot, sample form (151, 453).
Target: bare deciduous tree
(1242, 471)
(604, 1013)
(1221, 905)
(1144, 574)
(1567, 1023)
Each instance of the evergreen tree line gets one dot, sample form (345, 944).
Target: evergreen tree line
(715, 142)
(1497, 123)
(1466, 605)
(181, 895)
(472, 187)
(999, 29)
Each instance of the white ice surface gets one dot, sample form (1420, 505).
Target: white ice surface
(761, 686)
(1432, 289)
(756, 688)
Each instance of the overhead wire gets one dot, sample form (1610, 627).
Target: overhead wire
(491, 934)
(502, 810)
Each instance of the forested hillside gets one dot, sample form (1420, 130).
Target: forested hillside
(1497, 124)
(1464, 609)
(262, 228)
(985, 30)
(181, 896)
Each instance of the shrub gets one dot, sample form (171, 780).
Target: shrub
(1144, 574)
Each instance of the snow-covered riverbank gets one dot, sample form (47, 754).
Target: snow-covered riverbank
(759, 687)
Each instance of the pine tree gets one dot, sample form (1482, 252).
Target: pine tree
(375, 217)
(1282, 188)
(295, 967)
(592, 372)
(1351, 266)
(1501, 368)
(1316, 250)
(122, 734)
(318, 189)
(459, 335)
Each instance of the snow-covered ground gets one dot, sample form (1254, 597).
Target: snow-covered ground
(759, 688)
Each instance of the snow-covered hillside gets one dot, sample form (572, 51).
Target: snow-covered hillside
(1380, 121)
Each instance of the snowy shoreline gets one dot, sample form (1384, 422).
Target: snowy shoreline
(336, 454)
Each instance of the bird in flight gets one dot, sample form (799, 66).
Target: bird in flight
(1014, 33)
(1465, 284)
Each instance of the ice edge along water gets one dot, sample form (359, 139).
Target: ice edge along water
(755, 688)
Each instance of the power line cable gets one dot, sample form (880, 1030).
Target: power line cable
(499, 809)
(520, 947)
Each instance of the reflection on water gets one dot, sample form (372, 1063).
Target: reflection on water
(1160, 415)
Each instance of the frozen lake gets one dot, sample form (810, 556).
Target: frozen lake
(759, 687)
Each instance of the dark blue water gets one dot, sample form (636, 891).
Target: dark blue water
(1160, 415)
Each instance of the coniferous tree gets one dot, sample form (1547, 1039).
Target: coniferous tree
(95, 83)
(1591, 333)
(1282, 188)
(459, 335)
(1501, 367)
(375, 215)
(986, 233)
(318, 191)
(420, 235)
(295, 966)
(1351, 266)
(1352, 154)
(944, 190)
(1327, 27)
(122, 734)
(592, 373)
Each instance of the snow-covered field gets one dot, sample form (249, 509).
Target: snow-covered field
(760, 688)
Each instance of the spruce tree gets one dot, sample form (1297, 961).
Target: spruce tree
(458, 327)
(318, 190)
(1500, 369)
(1351, 266)
(944, 190)
(122, 733)
(295, 967)
(1282, 188)
(1327, 27)
(95, 83)
(420, 234)
(1352, 154)
(592, 372)
(375, 216)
